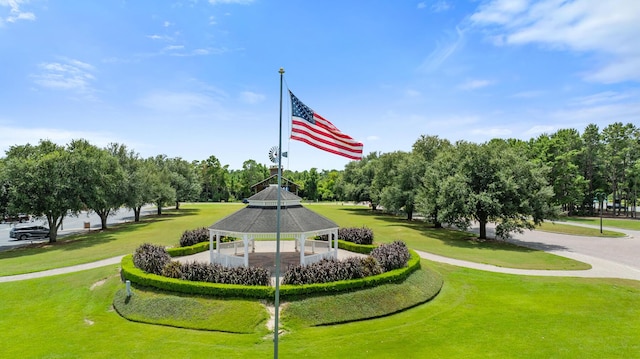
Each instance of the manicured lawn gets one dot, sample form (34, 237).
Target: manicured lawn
(557, 227)
(449, 243)
(476, 315)
(629, 223)
(168, 228)
(194, 312)
(117, 240)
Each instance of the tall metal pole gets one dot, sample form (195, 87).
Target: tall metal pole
(276, 328)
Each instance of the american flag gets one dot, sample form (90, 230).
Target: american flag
(311, 128)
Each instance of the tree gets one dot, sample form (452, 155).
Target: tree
(99, 178)
(137, 176)
(429, 151)
(252, 173)
(355, 182)
(213, 180)
(42, 182)
(591, 165)
(492, 182)
(183, 180)
(311, 185)
(617, 155)
(161, 192)
(399, 195)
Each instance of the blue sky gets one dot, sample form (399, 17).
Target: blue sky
(192, 79)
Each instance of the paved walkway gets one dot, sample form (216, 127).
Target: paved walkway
(609, 257)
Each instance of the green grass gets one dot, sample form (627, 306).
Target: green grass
(193, 312)
(419, 287)
(168, 228)
(631, 224)
(115, 241)
(476, 315)
(555, 227)
(445, 242)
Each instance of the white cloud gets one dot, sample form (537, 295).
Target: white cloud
(602, 97)
(251, 97)
(412, 93)
(160, 37)
(540, 129)
(69, 74)
(212, 20)
(15, 13)
(372, 138)
(166, 24)
(609, 29)
(475, 84)
(440, 6)
(14, 135)
(442, 52)
(173, 48)
(421, 5)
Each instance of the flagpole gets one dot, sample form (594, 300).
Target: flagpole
(276, 329)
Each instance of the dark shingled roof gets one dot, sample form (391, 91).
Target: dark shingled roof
(261, 214)
(271, 194)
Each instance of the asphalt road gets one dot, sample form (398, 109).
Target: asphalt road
(623, 251)
(70, 225)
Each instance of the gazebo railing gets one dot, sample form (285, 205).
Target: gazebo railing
(226, 246)
(229, 260)
(311, 245)
(310, 259)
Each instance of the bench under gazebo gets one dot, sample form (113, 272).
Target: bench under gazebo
(258, 220)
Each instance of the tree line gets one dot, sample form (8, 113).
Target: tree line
(513, 183)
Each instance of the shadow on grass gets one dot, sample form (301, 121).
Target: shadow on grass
(453, 237)
(78, 241)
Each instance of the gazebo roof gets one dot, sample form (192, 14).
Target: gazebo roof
(260, 216)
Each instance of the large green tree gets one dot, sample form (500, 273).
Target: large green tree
(42, 182)
(492, 182)
(99, 178)
(355, 181)
(183, 180)
(426, 150)
(403, 172)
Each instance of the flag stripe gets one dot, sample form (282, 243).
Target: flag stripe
(323, 135)
(309, 138)
(349, 154)
(315, 130)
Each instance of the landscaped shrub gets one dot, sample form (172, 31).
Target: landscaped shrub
(356, 235)
(392, 255)
(194, 236)
(216, 273)
(370, 266)
(173, 269)
(151, 258)
(329, 270)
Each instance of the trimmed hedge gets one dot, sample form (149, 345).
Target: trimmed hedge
(356, 248)
(185, 251)
(136, 275)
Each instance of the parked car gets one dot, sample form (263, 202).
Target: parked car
(31, 232)
(21, 217)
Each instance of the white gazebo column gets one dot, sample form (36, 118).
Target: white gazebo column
(210, 247)
(301, 238)
(334, 235)
(218, 247)
(245, 240)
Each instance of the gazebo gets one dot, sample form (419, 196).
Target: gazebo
(258, 221)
